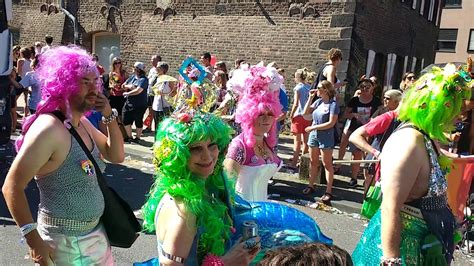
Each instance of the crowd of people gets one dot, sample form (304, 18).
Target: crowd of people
(216, 134)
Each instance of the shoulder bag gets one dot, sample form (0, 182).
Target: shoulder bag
(120, 223)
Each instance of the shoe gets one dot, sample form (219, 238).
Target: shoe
(136, 140)
(326, 198)
(353, 183)
(308, 190)
(127, 140)
(147, 130)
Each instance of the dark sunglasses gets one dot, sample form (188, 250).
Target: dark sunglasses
(116, 63)
(411, 77)
(386, 98)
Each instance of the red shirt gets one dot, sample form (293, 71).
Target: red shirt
(380, 124)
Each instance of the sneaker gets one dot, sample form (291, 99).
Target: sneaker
(136, 140)
(353, 183)
(147, 130)
(127, 140)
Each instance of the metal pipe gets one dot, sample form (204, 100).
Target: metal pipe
(72, 18)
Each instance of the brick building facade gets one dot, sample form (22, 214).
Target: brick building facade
(295, 34)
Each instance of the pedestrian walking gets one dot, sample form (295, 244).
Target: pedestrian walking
(68, 230)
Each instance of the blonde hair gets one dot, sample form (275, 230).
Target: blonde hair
(302, 73)
(328, 87)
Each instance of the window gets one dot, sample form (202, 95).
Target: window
(453, 4)
(414, 4)
(447, 40)
(470, 44)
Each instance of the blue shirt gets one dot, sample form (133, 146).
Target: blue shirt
(30, 81)
(139, 100)
(322, 111)
(303, 91)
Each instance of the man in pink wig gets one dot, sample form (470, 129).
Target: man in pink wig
(68, 229)
(251, 155)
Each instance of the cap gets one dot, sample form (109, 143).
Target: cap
(139, 65)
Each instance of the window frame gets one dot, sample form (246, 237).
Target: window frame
(455, 41)
(471, 39)
(451, 6)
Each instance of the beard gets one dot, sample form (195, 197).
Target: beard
(83, 105)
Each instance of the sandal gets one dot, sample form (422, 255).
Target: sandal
(326, 198)
(308, 190)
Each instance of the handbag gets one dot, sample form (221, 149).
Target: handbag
(372, 201)
(120, 223)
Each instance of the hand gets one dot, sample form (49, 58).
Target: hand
(456, 136)
(312, 92)
(40, 252)
(309, 129)
(239, 255)
(126, 94)
(102, 105)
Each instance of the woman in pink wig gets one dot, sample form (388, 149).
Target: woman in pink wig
(251, 155)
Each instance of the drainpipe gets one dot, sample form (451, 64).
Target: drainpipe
(72, 18)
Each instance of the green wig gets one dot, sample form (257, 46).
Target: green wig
(172, 176)
(435, 100)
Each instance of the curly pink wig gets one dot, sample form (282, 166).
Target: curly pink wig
(261, 87)
(58, 73)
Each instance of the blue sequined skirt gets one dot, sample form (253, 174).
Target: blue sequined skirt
(369, 249)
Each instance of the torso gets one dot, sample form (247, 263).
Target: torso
(64, 145)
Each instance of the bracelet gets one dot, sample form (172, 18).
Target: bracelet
(212, 260)
(375, 153)
(111, 117)
(390, 261)
(28, 228)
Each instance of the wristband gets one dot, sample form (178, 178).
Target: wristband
(390, 261)
(375, 153)
(27, 228)
(111, 117)
(212, 260)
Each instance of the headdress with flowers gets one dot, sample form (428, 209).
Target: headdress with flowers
(435, 100)
(258, 87)
(188, 125)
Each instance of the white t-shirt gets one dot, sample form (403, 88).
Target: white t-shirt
(45, 48)
(159, 101)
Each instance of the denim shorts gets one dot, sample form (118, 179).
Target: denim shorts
(323, 139)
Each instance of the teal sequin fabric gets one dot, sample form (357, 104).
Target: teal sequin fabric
(369, 249)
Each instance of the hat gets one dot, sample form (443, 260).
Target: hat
(139, 65)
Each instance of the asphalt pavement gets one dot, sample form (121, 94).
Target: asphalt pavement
(133, 178)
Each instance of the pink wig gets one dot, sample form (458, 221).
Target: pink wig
(58, 73)
(259, 88)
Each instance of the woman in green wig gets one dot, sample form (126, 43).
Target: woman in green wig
(415, 225)
(188, 203)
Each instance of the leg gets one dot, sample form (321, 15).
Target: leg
(343, 145)
(314, 165)
(305, 142)
(14, 118)
(356, 155)
(296, 149)
(139, 122)
(328, 167)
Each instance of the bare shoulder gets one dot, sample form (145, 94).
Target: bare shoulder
(46, 127)
(404, 140)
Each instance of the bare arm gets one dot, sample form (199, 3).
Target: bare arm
(38, 147)
(398, 181)
(19, 65)
(177, 229)
(296, 99)
(231, 167)
(359, 138)
(134, 91)
(307, 107)
(327, 125)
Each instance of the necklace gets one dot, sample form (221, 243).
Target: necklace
(262, 151)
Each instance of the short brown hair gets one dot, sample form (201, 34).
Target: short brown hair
(334, 54)
(307, 254)
(328, 87)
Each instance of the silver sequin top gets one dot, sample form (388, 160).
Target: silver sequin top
(72, 192)
(437, 185)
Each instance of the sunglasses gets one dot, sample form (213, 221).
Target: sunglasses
(386, 98)
(365, 88)
(116, 63)
(411, 77)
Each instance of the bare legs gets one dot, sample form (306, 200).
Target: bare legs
(297, 147)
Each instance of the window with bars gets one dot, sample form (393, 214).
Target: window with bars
(447, 40)
(470, 44)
